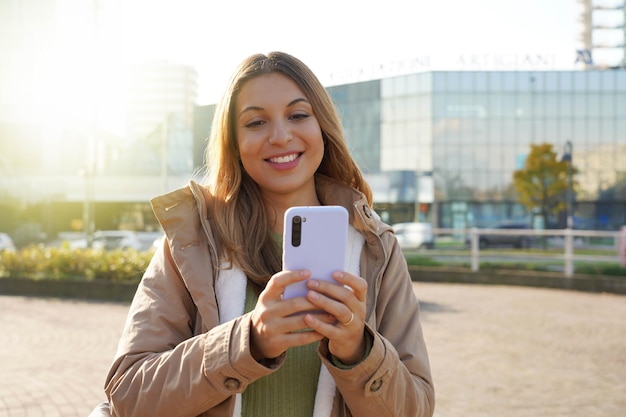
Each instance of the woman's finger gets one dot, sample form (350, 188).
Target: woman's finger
(276, 285)
(357, 284)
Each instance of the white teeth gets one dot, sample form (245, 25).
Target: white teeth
(283, 159)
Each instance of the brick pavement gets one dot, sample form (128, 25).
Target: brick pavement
(495, 351)
(518, 352)
(54, 355)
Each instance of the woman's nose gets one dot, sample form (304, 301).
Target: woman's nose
(281, 134)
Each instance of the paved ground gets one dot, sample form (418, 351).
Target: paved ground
(518, 352)
(495, 351)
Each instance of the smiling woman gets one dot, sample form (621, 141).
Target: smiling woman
(211, 302)
(277, 137)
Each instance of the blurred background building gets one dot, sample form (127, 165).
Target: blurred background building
(463, 133)
(58, 178)
(437, 146)
(603, 34)
(99, 170)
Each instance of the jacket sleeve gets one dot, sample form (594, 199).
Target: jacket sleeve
(161, 368)
(395, 378)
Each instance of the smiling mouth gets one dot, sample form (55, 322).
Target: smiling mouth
(284, 159)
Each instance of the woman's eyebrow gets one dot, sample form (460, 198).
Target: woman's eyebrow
(298, 100)
(250, 108)
(259, 108)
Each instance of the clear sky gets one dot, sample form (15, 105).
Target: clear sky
(344, 36)
(59, 74)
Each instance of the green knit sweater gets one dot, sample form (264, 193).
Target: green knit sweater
(288, 392)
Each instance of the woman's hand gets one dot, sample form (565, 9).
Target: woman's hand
(346, 303)
(276, 324)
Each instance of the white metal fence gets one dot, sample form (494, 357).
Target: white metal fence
(568, 239)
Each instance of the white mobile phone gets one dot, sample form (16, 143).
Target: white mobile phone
(314, 238)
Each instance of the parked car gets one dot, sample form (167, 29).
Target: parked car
(6, 243)
(414, 235)
(116, 239)
(108, 240)
(516, 240)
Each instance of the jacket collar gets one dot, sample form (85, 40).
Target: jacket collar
(362, 216)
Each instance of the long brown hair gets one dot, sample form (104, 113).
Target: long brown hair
(241, 220)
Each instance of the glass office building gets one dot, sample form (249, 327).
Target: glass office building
(436, 146)
(463, 134)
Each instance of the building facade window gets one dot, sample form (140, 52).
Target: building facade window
(472, 130)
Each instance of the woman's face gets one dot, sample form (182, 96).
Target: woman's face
(279, 138)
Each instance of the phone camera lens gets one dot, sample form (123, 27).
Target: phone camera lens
(296, 231)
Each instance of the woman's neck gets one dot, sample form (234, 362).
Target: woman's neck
(276, 209)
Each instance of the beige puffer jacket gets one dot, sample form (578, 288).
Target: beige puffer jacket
(176, 359)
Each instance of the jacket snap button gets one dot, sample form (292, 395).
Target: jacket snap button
(231, 384)
(376, 385)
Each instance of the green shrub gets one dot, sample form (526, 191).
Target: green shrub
(490, 266)
(580, 268)
(418, 260)
(39, 262)
(602, 269)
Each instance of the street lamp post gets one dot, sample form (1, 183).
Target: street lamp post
(567, 156)
(569, 241)
(88, 202)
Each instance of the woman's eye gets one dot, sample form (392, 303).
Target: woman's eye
(254, 123)
(299, 116)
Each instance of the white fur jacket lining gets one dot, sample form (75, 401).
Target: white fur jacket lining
(231, 286)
